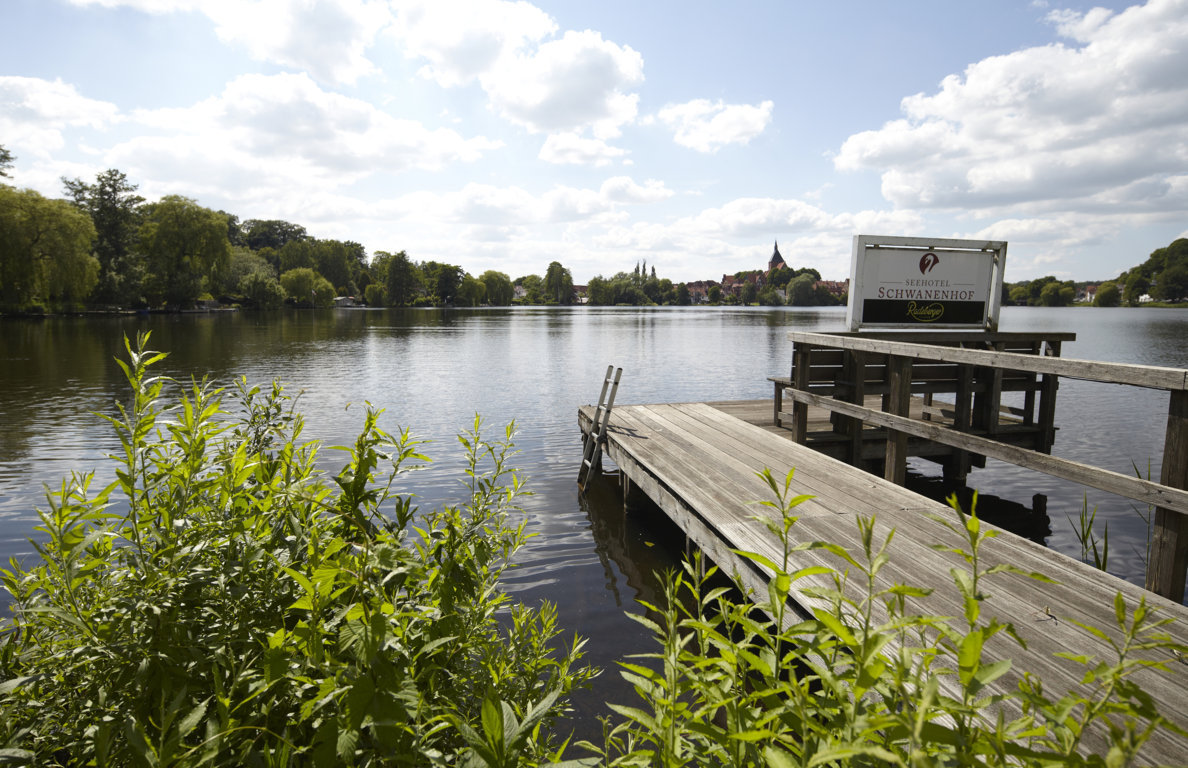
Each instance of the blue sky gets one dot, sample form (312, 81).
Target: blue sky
(504, 135)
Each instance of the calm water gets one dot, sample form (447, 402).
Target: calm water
(433, 370)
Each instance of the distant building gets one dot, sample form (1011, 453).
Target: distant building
(699, 291)
(838, 288)
(776, 261)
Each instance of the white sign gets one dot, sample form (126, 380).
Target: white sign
(910, 282)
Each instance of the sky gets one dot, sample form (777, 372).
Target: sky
(690, 135)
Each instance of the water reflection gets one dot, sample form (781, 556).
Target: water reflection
(433, 370)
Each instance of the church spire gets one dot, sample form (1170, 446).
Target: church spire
(777, 260)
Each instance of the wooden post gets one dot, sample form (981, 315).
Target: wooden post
(1047, 404)
(777, 404)
(800, 380)
(898, 401)
(854, 368)
(957, 468)
(993, 398)
(1169, 541)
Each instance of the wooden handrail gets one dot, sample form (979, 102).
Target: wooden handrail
(1129, 486)
(1168, 563)
(1151, 377)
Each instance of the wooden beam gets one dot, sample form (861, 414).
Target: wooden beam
(1135, 488)
(1169, 542)
(1090, 370)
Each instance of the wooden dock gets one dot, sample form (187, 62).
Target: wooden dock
(697, 463)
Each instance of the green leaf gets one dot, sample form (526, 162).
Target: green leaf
(492, 716)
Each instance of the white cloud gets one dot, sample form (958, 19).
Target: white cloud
(35, 112)
(708, 126)
(326, 38)
(282, 136)
(577, 81)
(574, 149)
(1051, 128)
(623, 189)
(463, 39)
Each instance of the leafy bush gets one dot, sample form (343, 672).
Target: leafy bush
(867, 681)
(223, 603)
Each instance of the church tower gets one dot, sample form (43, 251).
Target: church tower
(777, 261)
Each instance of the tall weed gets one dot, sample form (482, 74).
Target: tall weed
(222, 602)
(868, 679)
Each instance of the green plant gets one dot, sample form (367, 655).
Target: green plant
(1094, 551)
(223, 602)
(867, 679)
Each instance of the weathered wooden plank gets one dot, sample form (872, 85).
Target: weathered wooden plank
(1095, 477)
(687, 441)
(1089, 370)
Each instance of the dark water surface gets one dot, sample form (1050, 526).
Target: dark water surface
(433, 370)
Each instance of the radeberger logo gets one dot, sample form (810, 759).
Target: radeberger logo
(925, 313)
(927, 262)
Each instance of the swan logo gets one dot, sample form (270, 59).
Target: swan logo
(927, 262)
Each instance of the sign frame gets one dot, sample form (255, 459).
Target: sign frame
(879, 262)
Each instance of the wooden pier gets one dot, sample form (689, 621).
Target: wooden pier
(697, 462)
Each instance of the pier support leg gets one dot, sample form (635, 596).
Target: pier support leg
(634, 498)
(899, 374)
(1169, 541)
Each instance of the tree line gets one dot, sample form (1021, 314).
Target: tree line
(1162, 277)
(104, 247)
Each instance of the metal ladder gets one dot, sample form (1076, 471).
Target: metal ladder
(592, 456)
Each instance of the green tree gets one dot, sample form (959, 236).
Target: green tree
(780, 277)
(801, 292)
(271, 233)
(770, 297)
(1172, 284)
(682, 294)
(336, 261)
(1107, 295)
(749, 293)
(443, 280)
(1136, 285)
(558, 284)
(1056, 294)
(375, 295)
(404, 279)
(500, 290)
(45, 251)
(471, 293)
(6, 160)
(298, 254)
(307, 288)
(243, 262)
(262, 290)
(186, 249)
(714, 294)
(1020, 294)
(599, 292)
(533, 288)
(116, 211)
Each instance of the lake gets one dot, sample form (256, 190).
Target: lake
(433, 370)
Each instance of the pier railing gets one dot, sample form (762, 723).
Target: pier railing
(838, 371)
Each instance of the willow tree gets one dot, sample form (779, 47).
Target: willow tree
(45, 251)
(186, 248)
(500, 290)
(558, 284)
